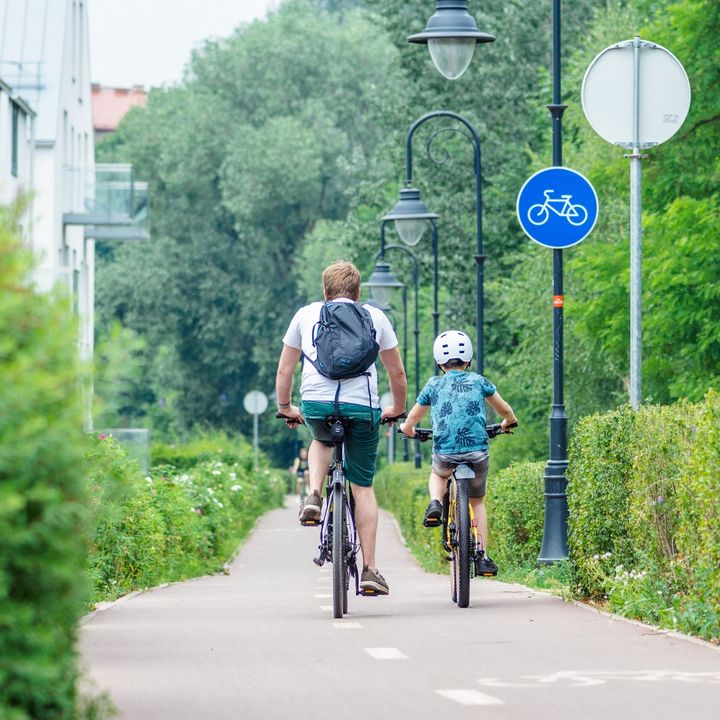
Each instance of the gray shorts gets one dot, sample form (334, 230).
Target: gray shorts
(479, 461)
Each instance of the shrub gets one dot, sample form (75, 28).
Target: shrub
(215, 446)
(698, 534)
(599, 470)
(644, 513)
(42, 495)
(403, 490)
(172, 524)
(516, 514)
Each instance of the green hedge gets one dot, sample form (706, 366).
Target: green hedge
(173, 523)
(42, 495)
(205, 448)
(643, 498)
(514, 505)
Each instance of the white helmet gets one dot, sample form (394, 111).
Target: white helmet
(450, 345)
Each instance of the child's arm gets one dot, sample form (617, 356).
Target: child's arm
(413, 418)
(502, 408)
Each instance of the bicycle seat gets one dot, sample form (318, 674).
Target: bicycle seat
(464, 472)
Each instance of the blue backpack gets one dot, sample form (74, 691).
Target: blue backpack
(344, 338)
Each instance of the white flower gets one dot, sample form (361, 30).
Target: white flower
(235, 488)
(233, 476)
(210, 491)
(148, 479)
(596, 557)
(216, 472)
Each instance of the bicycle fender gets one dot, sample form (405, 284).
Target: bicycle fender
(464, 472)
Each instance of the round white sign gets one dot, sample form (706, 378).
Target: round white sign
(608, 94)
(255, 402)
(386, 400)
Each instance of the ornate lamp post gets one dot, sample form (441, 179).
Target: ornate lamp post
(451, 36)
(410, 212)
(381, 284)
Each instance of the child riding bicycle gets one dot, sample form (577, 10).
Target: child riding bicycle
(457, 399)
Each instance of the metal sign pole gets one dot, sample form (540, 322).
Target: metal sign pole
(636, 240)
(255, 440)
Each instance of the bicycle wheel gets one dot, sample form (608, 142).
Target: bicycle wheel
(462, 551)
(577, 215)
(538, 214)
(338, 553)
(449, 519)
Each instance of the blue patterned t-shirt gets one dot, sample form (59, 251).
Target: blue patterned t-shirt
(457, 401)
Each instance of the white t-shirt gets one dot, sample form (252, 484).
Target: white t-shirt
(315, 386)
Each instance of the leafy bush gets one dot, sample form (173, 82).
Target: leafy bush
(698, 534)
(516, 513)
(215, 446)
(42, 495)
(172, 524)
(600, 466)
(643, 504)
(403, 490)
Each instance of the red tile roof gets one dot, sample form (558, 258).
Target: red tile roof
(111, 104)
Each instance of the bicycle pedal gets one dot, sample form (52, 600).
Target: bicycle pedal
(309, 523)
(369, 592)
(431, 523)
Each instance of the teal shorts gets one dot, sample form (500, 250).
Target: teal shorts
(361, 438)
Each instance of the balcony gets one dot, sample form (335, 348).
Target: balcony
(107, 200)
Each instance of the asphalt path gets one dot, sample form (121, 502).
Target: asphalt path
(261, 643)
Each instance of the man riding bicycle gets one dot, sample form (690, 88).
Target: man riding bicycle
(356, 397)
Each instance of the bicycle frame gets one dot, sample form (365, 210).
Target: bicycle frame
(336, 488)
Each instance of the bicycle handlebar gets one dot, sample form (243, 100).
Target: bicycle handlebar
(388, 420)
(288, 420)
(424, 434)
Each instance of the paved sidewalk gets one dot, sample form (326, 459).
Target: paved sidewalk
(261, 644)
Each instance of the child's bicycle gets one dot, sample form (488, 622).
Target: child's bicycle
(339, 542)
(459, 528)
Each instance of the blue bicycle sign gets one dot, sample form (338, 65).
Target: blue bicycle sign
(557, 207)
(539, 213)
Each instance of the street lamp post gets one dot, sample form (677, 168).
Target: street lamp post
(410, 212)
(554, 543)
(382, 283)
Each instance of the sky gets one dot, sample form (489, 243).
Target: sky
(148, 42)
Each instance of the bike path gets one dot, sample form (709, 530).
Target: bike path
(260, 643)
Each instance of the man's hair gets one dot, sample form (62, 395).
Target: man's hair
(341, 280)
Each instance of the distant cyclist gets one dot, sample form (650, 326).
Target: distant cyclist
(300, 470)
(457, 399)
(358, 399)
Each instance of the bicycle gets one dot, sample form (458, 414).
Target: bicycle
(459, 528)
(339, 542)
(539, 213)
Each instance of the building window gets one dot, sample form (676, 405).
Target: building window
(15, 139)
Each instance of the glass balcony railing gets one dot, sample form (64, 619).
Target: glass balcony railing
(105, 195)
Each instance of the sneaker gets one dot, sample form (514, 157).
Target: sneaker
(485, 566)
(373, 583)
(310, 509)
(433, 514)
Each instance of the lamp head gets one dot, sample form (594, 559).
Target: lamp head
(451, 36)
(410, 215)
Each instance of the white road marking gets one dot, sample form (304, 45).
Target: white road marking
(347, 625)
(322, 596)
(470, 697)
(386, 653)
